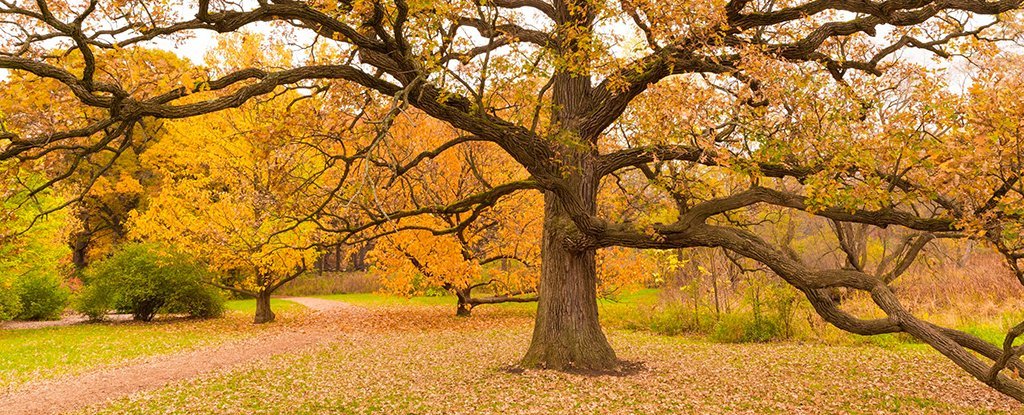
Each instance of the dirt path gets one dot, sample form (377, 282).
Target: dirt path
(66, 320)
(320, 305)
(69, 394)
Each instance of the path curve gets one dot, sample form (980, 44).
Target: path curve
(75, 393)
(322, 305)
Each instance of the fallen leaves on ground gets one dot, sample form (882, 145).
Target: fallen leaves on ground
(424, 361)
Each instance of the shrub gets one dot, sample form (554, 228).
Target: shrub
(10, 305)
(197, 301)
(94, 301)
(674, 320)
(666, 318)
(146, 279)
(784, 303)
(759, 326)
(42, 297)
(744, 328)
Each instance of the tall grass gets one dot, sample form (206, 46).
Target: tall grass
(976, 284)
(331, 283)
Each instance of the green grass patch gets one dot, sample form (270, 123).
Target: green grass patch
(646, 296)
(643, 310)
(626, 303)
(32, 354)
(385, 300)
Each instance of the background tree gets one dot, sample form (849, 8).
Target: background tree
(105, 183)
(233, 189)
(490, 253)
(33, 261)
(494, 248)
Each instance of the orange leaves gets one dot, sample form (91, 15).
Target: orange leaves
(502, 247)
(626, 269)
(123, 183)
(411, 262)
(435, 167)
(668, 19)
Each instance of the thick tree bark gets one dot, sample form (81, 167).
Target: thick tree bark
(263, 312)
(567, 334)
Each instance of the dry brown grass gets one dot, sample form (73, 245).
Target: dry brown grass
(980, 285)
(331, 283)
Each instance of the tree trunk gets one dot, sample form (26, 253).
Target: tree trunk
(465, 309)
(263, 312)
(567, 334)
(79, 250)
(359, 257)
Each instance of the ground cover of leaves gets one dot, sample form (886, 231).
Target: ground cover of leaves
(422, 360)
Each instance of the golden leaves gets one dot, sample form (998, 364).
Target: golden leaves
(235, 187)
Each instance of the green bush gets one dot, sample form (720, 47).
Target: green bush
(783, 302)
(95, 301)
(744, 328)
(675, 320)
(146, 279)
(42, 297)
(669, 319)
(197, 301)
(33, 296)
(10, 305)
(32, 256)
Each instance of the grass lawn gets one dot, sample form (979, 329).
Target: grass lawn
(429, 362)
(633, 310)
(34, 354)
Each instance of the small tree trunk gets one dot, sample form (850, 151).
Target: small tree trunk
(263, 312)
(359, 257)
(714, 287)
(79, 250)
(567, 334)
(146, 310)
(465, 309)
